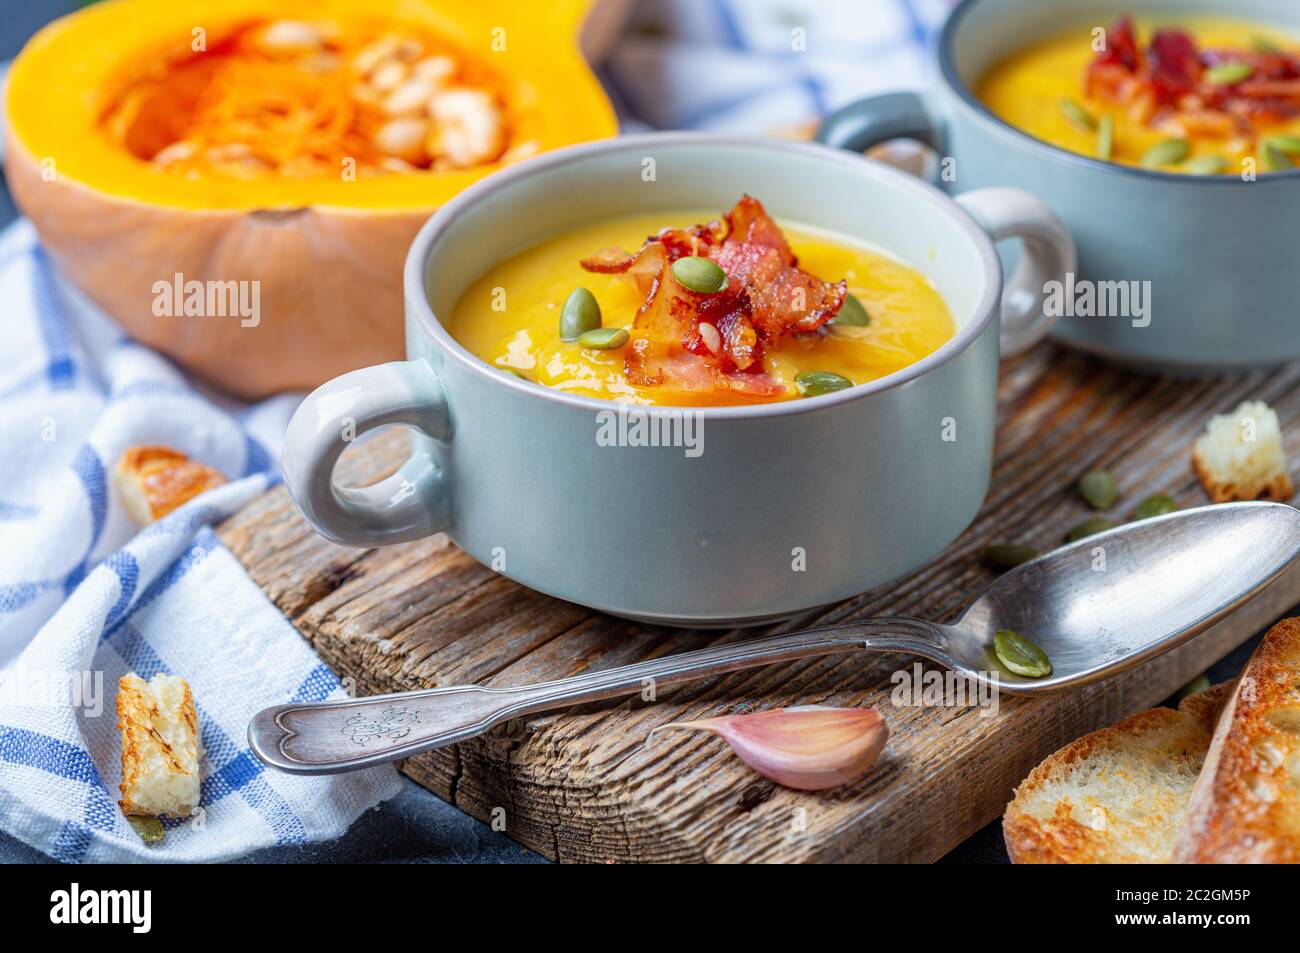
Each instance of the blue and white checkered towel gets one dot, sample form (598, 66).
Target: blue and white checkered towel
(84, 598)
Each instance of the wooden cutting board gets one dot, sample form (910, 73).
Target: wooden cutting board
(585, 785)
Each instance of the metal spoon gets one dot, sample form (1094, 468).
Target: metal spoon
(1096, 607)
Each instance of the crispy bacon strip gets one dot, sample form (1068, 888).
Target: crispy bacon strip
(715, 342)
(1168, 79)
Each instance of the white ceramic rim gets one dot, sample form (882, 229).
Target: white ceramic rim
(986, 310)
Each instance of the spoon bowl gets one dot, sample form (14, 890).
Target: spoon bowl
(1113, 600)
(1096, 607)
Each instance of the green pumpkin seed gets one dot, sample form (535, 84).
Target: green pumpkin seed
(1106, 137)
(852, 313)
(1020, 655)
(700, 275)
(1158, 504)
(514, 373)
(1275, 160)
(1169, 152)
(1261, 45)
(1089, 527)
(1287, 144)
(1098, 489)
(1225, 74)
(1078, 115)
(815, 383)
(150, 829)
(1199, 684)
(1205, 165)
(604, 339)
(1009, 555)
(581, 313)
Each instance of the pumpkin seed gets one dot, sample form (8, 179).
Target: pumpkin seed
(1205, 165)
(1089, 527)
(1009, 555)
(514, 373)
(1169, 152)
(852, 313)
(1288, 144)
(1225, 74)
(1199, 684)
(815, 383)
(1275, 160)
(1105, 137)
(700, 275)
(1077, 114)
(1020, 655)
(581, 313)
(1261, 45)
(150, 829)
(1158, 504)
(1098, 489)
(604, 339)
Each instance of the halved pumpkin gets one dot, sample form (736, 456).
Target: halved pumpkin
(165, 146)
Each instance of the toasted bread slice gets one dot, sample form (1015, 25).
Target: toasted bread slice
(1245, 807)
(160, 746)
(153, 481)
(1240, 456)
(1117, 795)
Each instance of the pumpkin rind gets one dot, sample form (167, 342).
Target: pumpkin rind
(327, 253)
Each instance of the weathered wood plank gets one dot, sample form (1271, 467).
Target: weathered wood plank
(587, 785)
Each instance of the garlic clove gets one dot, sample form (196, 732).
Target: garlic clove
(808, 747)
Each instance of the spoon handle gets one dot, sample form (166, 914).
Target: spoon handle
(330, 737)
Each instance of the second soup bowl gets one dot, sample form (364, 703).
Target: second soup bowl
(773, 509)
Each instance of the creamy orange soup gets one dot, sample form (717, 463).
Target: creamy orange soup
(510, 317)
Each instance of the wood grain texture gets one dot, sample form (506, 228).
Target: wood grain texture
(587, 785)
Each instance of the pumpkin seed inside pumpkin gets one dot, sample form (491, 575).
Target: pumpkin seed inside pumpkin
(815, 383)
(699, 275)
(604, 339)
(1098, 489)
(581, 313)
(1169, 152)
(852, 313)
(1009, 555)
(1021, 656)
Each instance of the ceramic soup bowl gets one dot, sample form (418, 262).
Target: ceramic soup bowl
(739, 514)
(1222, 293)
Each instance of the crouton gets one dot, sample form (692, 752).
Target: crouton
(1240, 455)
(160, 746)
(153, 481)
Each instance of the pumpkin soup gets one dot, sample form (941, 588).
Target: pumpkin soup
(735, 311)
(1205, 96)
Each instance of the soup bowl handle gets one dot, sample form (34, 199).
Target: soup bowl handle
(876, 119)
(1047, 260)
(410, 504)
